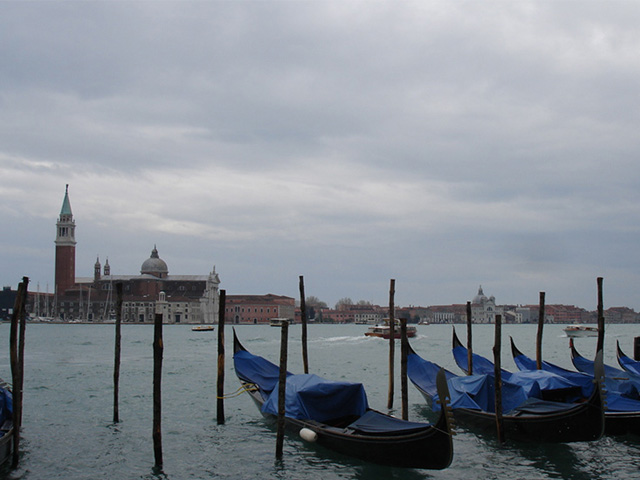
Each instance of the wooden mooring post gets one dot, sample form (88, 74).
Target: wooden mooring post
(221, 353)
(600, 344)
(117, 350)
(16, 353)
(282, 387)
(303, 314)
(158, 349)
(404, 353)
(498, 378)
(469, 341)
(539, 334)
(392, 342)
(21, 342)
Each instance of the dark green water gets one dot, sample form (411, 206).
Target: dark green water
(68, 431)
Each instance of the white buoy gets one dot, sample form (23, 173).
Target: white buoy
(308, 435)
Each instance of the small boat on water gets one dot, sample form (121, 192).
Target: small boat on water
(336, 416)
(202, 328)
(577, 331)
(384, 331)
(277, 322)
(6, 422)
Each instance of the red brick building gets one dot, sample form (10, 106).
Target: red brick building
(258, 309)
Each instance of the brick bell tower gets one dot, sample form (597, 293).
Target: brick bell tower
(65, 247)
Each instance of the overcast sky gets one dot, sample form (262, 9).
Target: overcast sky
(445, 145)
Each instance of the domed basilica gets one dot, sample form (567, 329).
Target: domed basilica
(483, 308)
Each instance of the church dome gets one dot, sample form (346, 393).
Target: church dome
(480, 297)
(154, 265)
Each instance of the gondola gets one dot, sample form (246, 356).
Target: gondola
(336, 415)
(628, 364)
(622, 413)
(6, 422)
(585, 365)
(548, 385)
(525, 419)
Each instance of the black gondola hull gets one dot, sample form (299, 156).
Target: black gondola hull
(582, 423)
(6, 446)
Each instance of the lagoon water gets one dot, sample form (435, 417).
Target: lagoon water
(68, 431)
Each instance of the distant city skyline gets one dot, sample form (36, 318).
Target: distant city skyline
(66, 205)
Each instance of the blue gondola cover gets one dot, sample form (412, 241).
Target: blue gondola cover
(475, 392)
(630, 365)
(255, 369)
(375, 423)
(310, 397)
(521, 391)
(583, 380)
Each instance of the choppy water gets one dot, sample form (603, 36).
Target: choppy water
(68, 431)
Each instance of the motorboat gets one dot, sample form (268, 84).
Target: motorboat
(577, 331)
(202, 328)
(384, 331)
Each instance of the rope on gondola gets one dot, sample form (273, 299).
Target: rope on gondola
(240, 391)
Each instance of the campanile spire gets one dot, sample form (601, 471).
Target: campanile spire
(65, 247)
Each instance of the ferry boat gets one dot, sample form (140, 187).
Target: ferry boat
(383, 330)
(574, 331)
(202, 328)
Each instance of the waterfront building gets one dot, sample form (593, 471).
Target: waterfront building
(523, 315)
(7, 302)
(483, 308)
(258, 309)
(330, 315)
(369, 316)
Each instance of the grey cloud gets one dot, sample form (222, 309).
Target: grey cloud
(452, 144)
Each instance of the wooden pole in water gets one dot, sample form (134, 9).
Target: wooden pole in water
(404, 352)
(498, 379)
(392, 344)
(16, 367)
(118, 347)
(13, 358)
(221, 353)
(282, 388)
(303, 314)
(158, 349)
(600, 345)
(539, 335)
(21, 340)
(469, 342)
